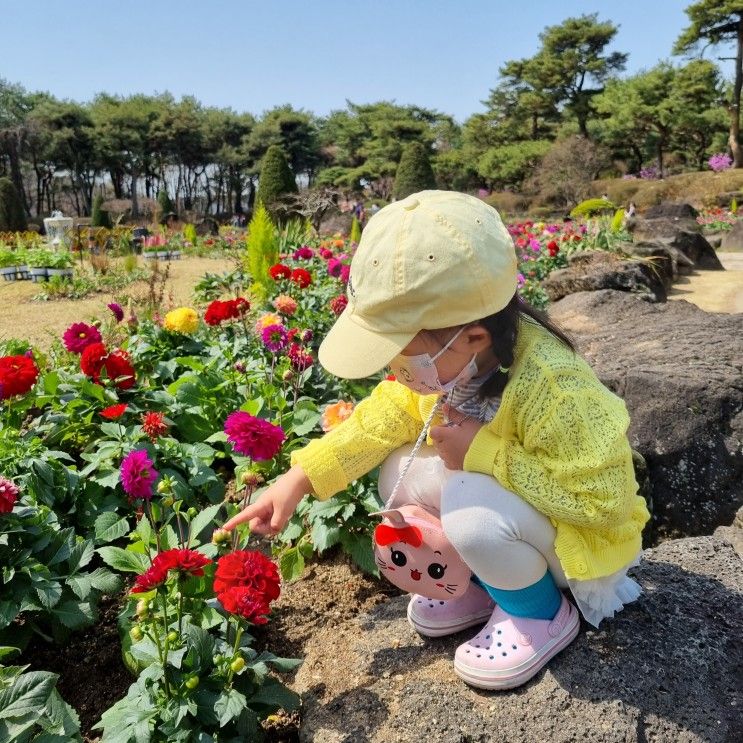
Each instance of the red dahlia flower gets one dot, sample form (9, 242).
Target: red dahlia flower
(18, 374)
(279, 271)
(185, 561)
(154, 425)
(553, 248)
(95, 359)
(248, 569)
(301, 277)
(338, 304)
(244, 602)
(299, 358)
(112, 412)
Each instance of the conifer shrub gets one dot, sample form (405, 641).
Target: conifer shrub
(414, 173)
(99, 217)
(262, 249)
(164, 202)
(12, 215)
(276, 180)
(355, 235)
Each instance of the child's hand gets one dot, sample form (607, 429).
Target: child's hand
(276, 504)
(452, 441)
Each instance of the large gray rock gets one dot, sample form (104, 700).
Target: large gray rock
(732, 241)
(680, 371)
(592, 270)
(665, 669)
(671, 210)
(662, 258)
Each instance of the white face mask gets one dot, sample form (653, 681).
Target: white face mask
(419, 373)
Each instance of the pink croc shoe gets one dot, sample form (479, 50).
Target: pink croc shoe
(510, 650)
(435, 618)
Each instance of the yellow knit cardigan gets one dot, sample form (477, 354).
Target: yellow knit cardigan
(558, 440)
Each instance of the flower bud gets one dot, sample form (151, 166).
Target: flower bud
(172, 636)
(96, 323)
(307, 335)
(192, 512)
(192, 682)
(239, 367)
(165, 485)
(168, 501)
(237, 665)
(251, 479)
(288, 375)
(220, 536)
(136, 634)
(143, 609)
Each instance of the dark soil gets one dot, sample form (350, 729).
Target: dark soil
(93, 676)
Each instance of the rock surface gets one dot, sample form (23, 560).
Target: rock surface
(680, 371)
(665, 669)
(592, 270)
(732, 241)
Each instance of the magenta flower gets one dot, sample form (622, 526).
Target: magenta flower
(275, 338)
(303, 253)
(117, 310)
(8, 495)
(253, 437)
(79, 336)
(345, 273)
(334, 267)
(138, 474)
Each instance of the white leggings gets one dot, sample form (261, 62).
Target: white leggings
(506, 542)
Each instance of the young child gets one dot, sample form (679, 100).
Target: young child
(529, 466)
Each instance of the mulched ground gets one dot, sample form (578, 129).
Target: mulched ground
(93, 676)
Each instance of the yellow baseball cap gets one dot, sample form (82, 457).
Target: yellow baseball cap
(433, 260)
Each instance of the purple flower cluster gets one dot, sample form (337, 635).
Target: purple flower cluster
(720, 161)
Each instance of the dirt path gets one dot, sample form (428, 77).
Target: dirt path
(42, 322)
(714, 291)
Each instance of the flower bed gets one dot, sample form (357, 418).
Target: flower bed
(124, 450)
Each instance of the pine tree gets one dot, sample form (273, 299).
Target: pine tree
(12, 215)
(414, 173)
(276, 179)
(99, 217)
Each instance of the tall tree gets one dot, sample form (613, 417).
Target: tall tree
(715, 22)
(570, 68)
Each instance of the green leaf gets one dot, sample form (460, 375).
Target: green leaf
(202, 520)
(110, 480)
(124, 560)
(81, 585)
(306, 417)
(8, 612)
(49, 594)
(105, 581)
(81, 555)
(74, 614)
(361, 550)
(109, 527)
(273, 694)
(28, 695)
(291, 564)
(324, 536)
(201, 644)
(229, 705)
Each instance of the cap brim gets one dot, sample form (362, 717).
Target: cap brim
(352, 351)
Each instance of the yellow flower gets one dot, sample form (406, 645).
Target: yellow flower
(335, 414)
(270, 318)
(183, 320)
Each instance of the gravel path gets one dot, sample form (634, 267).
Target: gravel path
(714, 291)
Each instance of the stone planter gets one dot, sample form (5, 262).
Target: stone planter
(163, 255)
(24, 272)
(63, 272)
(150, 256)
(9, 273)
(38, 274)
(175, 255)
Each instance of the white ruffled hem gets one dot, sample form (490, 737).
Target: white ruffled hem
(603, 597)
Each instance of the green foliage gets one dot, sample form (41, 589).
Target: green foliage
(31, 708)
(589, 207)
(734, 206)
(164, 203)
(262, 248)
(49, 580)
(617, 221)
(99, 217)
(189, 234)
(508, 165)
(355, 235)
(12, 214)
(414, 172)
(276, 179)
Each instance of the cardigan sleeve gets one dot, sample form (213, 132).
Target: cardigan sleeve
(379, 424)
(571, 459)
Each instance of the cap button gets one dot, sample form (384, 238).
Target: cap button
(410, 204)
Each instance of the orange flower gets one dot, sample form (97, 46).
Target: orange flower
(335, 414)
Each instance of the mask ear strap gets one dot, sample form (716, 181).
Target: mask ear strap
(449, 342)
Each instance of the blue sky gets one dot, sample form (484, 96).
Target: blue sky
(251, 56)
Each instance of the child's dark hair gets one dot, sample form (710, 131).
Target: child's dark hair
(503, 329)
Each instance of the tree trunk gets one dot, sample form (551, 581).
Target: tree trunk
(135, 202)
(733, 141)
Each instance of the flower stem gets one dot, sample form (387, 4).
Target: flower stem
(238, 635)
(163, 652)
(153, 523)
